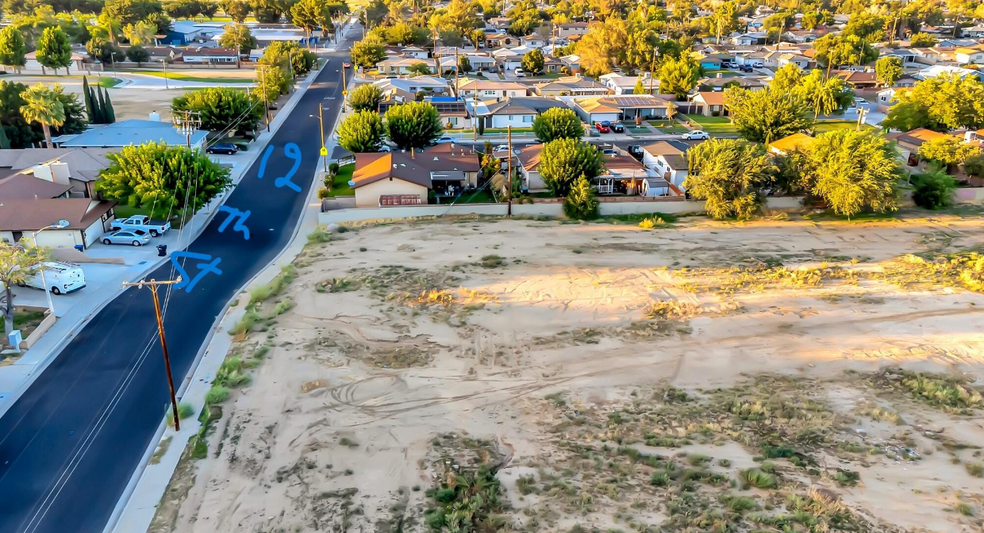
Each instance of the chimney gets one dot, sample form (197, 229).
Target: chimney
(43, 172)
(60, 173)
(155, 116)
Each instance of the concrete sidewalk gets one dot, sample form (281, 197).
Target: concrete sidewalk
(18, 376)
(139, 502)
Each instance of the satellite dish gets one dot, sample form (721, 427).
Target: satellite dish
(62, 223)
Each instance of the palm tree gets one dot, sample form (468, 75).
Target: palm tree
(42, 106)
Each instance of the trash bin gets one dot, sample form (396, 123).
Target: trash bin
(80, 247)
(161, 250)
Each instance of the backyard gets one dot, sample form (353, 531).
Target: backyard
(340, 182)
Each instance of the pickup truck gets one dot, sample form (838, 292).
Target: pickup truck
(140, 223)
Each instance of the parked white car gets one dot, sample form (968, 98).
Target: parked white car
(695, 135)
(140, 223)
(61, 278)
(519, 73)
(126, 237)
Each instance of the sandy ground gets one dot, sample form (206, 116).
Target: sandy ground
(532, 338)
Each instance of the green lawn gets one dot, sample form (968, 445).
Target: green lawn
(25, 321)
(184, 77)
(339, 183)
(826, 126)
(713, 125)
(481, 196)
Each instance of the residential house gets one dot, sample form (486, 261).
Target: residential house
(594, 109)
(799, 60)
(750, 39)
(969, 55)
(480, 62)
(570, 86)
(910, 141)
(710, 103)
(495, 41)
(515, 112)
(509, 58)
(887, 96)
(932, 56)
(908, 57)
(127, 132)
(185, 32)
(453, 111)
(566, 30)
(162, 53)
(401, 66)
(803, 36)
(431, 85)
(498, 23)
(572, 63)
(529, 163)
(713, 61)
(482, 89)
(619, 84)
(625, 175)
(417, 53)
(533, 41)
(88, 219)
(668, 159)
(974, 32)
(790, 143)
(765, 58)
(78, 168)
(858, 80)
(401, 178)
(211, 56)
(937, 70)
(720, 83)
(552, 65)
(24, 186)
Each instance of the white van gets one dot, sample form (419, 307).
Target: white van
(62, 278)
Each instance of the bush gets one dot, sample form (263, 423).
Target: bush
(975, 166)
(324, 192)
(758, 479)
(217, 394)
(185, 410)
(933, 190)
(333, 169)
(580, 203)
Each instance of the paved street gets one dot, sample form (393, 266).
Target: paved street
(70, 444)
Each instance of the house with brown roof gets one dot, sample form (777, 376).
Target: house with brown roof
(668, 159)
(515, 112)
(568, 29)
(710, 103)
(78, 168)
(858, 80)
(910, 141)
(87, 220)
(571, 86)
(529, 168)
(27, 187)
(613, 108)
(382, 178)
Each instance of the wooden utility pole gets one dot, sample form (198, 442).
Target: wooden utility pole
(266, 106)
(652, 73)
(152, 284)
(164, 64)
(457, 67)
(321, 122)
(509, 187)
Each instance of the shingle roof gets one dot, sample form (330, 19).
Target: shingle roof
(524, 105)
(128, 132)
(373, 167)
(31, 215)
(27, 187)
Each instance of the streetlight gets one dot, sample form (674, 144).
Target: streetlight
(321, 122)
(164, 66)
(61, 224)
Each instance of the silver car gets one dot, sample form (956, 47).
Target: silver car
(126, 237)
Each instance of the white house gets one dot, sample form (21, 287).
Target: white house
(414, 51)
(620, 84)
(668, 159)
(211, 55)
(969, 55)
(490, 89)
(593, 109)
(515, 112)
(87, 220)
(750, 39)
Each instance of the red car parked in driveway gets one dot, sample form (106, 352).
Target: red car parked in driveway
(602, 128)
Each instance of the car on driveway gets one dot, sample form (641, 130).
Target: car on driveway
(128, 237)
(746, 68)
(696, 135)
(618, 127)
(602, 128)
(222, 148)
(141, 224)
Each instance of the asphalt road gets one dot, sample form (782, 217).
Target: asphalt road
(70, 444)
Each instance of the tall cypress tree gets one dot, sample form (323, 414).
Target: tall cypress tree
(100, 107)
(87, 96)
(4, 141)
(110, 112)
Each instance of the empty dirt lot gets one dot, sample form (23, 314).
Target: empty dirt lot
(483, 375)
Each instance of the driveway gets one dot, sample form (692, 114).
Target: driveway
(98, 277)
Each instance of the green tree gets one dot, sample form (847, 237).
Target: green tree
(563, 161)
(948, 151)
(90, 109)
(824, 96)
(942, 103)
(238, 10)
(13, 51)
(130, 11)
(557, 123)
(220, 108)
(272, 82)
(888, 69)
(933, 189)
(209, 9)
(54, 50)
(725, 19)
(728, 175)
(138, 54)
(362, 131)
(41, 105)
(477, 37)
(580, 203)
(103, 50)
(20, 133)
(17, 265)
(238, 36)
(532, 61)
(365, 97)
(163, 176)
(464, 64)
(639, 87)
(418, 69)
(373, 13)
(161, 23)
(308, 15)
(4, 141)
(75, 117)
(768, 115)
(109, 114)
(922, 40)
(294, 60)
(413, 125)
(367, 53)
(786, 79)
(854, 170)
(678, 76)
